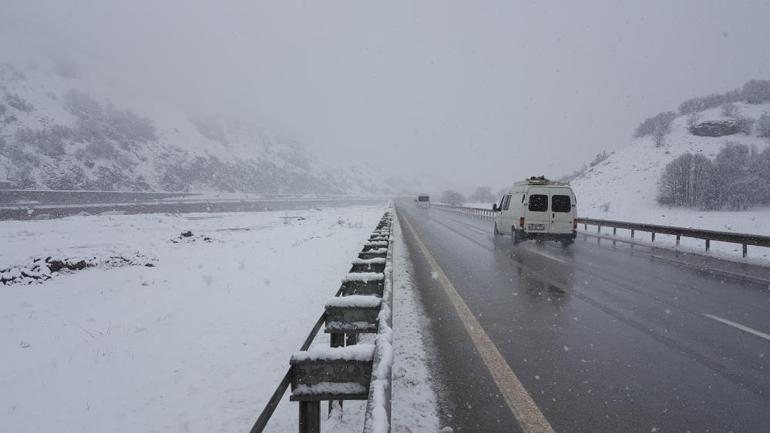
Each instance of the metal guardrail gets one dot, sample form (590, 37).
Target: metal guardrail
(707, 235)
(377, 418)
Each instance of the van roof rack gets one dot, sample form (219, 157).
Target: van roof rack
(538, 180)
(542, 180)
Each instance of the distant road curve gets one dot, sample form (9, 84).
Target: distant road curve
(27, 205)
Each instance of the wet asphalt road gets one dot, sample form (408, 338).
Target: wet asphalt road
(603, 338)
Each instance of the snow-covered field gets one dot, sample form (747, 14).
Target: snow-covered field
(196, 343)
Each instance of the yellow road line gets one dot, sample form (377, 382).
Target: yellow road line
(521, 404)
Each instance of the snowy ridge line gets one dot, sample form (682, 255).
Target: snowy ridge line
(308, 363)
(743, 239)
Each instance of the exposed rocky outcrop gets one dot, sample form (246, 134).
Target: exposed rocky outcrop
(715, 128)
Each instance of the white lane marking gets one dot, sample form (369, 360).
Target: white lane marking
(739, 326)
(478, 230)
(546, 255)
(520, 403)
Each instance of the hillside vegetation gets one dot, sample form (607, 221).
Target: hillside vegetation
(719, 167)
(56, 133)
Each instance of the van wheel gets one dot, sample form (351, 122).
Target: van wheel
(566, 243)
(515, 235)
(497, 232)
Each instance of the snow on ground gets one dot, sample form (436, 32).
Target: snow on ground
(196, 343)
(414, 407)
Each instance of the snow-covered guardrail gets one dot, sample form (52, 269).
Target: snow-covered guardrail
(348, 370)
(706, 235)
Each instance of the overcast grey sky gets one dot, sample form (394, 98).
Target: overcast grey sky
(478, 91)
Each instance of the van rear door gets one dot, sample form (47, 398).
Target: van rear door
(537, 216)
(561, 210)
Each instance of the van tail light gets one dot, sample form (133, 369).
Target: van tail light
(521, 222)
(574, 224)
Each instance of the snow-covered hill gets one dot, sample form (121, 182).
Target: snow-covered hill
(624, 186)
(63, 128)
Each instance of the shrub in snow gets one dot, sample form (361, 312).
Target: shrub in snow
(99, 149)
(64, 177)
(692, 119)
(763, 126)
(756, 91)
(16, 101)
(601, 156)
(745, 125)
(49, 141)
(452, 197)
(657, 126)
(694, 105)
(729, 109)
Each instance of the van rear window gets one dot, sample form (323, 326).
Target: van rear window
(561, 203)
(538, 203)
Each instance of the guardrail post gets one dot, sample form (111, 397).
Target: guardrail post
(614, 233)
(652, 237)
(708, 244)
(309, 417)
(745, 250)
(632, 233)
(335, 340)
(678, 238)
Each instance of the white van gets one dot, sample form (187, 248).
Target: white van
(423, 201)
(539, 209)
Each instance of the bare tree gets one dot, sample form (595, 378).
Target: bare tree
(684, 181)
(452, 197)
(657, 126)
(483, 194)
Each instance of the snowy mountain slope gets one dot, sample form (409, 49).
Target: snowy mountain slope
(624, 186)
(61, 130)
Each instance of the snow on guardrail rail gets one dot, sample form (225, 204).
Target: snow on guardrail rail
(348, 370)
